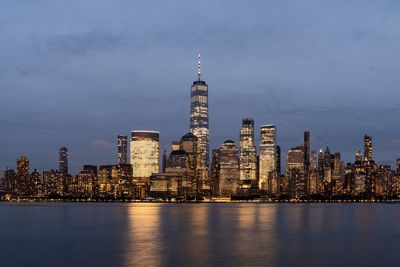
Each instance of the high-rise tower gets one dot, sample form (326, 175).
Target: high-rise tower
(367, 148)
(247, 154)
(145, 146)
(267, 161)
(199, 126)
(122, 141)
(63, 160)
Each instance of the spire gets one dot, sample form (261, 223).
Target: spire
(199, 67)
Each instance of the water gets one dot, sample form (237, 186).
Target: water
(146, 234)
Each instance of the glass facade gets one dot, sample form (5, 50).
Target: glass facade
(145, 153)
(267, 159)
(122, 141)
(248, 153)
(200, 128)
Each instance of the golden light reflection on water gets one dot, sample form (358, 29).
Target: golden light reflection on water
(144, 242)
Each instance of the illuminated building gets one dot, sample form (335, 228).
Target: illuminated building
(107, 180)
(23, 180)
(165, 185)
(63, 161)
(53, 183)
(267, 158)
(367, 149)
(175, 145)
(215, 170)
(9, 181)
(306, 145)
(199, 126)
(229, 180)
(144, 153)
(358, 157)
(122, 142)
(295, 172)
(313, 180)
(35, 183)
(398, 166)
(248, 153)
(327, 165)
(320, 169)
(86, 180)
(278, 161)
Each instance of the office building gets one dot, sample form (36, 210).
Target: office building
(145, 153)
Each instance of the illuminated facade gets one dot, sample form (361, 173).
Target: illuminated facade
(122, 142)
(248, 153)
(200, 128)
(313, 180)
(63, 161)
(144, 153)
(367, 149)
(23, 180)
(295, 172)
(53, 182)
(229, 169)
(267, 160)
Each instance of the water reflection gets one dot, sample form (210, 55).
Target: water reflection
(144, 244)
(259, 234)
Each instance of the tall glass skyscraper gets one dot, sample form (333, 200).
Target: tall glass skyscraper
(122, 141)
(145, 153)
(63, 161)
(199, 126)
(267, 159)
(248, 153)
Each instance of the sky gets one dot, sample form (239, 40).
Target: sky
(78, 73)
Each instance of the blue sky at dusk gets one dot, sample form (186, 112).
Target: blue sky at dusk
(78, 73)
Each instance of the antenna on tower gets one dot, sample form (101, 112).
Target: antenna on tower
(199, 67)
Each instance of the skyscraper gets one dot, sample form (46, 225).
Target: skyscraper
(248, 153)
(144, 153)
(306, 145)
(63, 160)
(229, 169)
(199, 125)
(23, 176)
(313, 180)
(295, 172)
(267, 159)
(122, 141)
(367, 149)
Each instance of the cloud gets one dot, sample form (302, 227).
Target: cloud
(100, 144)
(82, 43)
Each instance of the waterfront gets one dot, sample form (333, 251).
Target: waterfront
(199, 234)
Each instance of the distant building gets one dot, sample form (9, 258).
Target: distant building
(35, 184)
(295, 172)
(199, 126)
(122, 142)
(215, 170)
(145, 153)
(248, 153)
(367, 149)
(9, 182)
(63, 161)
(53, 183)
(229, 181)
(23, 180)
(306, 145)
(313, 180)
(166, 186)
(267, 160)
(107, 180)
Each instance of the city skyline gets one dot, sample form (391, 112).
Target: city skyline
(296, 66)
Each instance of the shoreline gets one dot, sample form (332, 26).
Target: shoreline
(213, 201)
